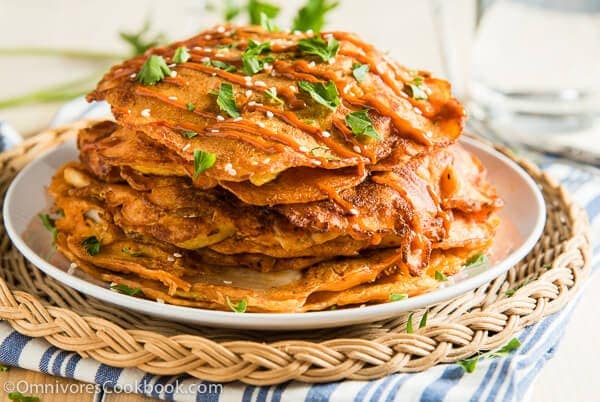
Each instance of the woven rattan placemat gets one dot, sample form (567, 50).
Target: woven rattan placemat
(483, 319)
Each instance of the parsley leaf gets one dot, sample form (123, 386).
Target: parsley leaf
(126, 290)
(312, 15)
(139, 42)
(4, 368)
(189, 134)
(416, 89)
(316, 46)
(251, 63)
(360, 124)
(359, 71)
(49, 224)
(475, 260)
(202, 161)
(239, 307)
(272, 94)
(423, 322)
(190, 106)
(409, 325)
(181, 55)
(469, 365)
(130, 253)
(222, 65)
(439, 275)
(17, 396)
(232, 10)
(226, 100)
(323, 152)
(257, 8)
(154, 70)
(92, 245)
(326, 95)
(510, 292)
(398, 296)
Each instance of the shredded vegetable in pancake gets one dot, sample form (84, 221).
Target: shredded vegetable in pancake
(289, 184)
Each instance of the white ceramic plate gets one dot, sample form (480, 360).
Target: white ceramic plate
(27, 196)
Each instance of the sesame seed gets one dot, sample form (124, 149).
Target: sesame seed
(220, 29)
(207, 49)
(293, 88)
(331, 60)
(220, 118)
(170, 259)
(260, 84)
(269, 114)
(316, 162)
(429, 134)
(356, 149)
(133, 75)
(161, 301)
(326, 134)
(249, 93)
(356, 227)
(177, 255)
(172, 97)
(214, 130)
(247, 78)
(354, 211)
(173, 74)
(267, 67)
(205, 59)
(227, 282)
(347, 88)
(145, 113)
(312, 64)
(185, 147)
(417, 110)
(171, 65)
(266, 160)
(254, 163)
(296, 32)
(403, 95)
(327, 36)
(251, 103)
(302, 148)
(208, 37)
(237, 119)
(213, 74)
(260, 124)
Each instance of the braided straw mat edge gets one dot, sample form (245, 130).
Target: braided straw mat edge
(483, 319)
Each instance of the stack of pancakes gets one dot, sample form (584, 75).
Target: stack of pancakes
(228, 183)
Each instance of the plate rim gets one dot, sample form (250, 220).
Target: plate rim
(282, 321)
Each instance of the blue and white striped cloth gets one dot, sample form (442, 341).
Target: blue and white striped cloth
(506, 379)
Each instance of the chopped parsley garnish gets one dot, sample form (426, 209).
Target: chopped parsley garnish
(327, 95)
(312, 15)
(126, 290)
(181, 55)
(189, 134)
(359, 71)
(316, 46)
(3, 368)
(202, 161)
(130, 253)
(398, 296)
(221, 65)
(439, 275)
(49, 224)
(360, 123)
(92, 245)
(257, 8)
(475, 260)
(239, 307)
(190, 106)
(251, 62)
(469, 365)
(19, 397)
(416, 89)
(510, 292)
(226, 100)
(272, 94)
(267, 23)
(154, 70)
(232, 10)
(422, 323)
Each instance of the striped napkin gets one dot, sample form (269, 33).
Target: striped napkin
(502, 379)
